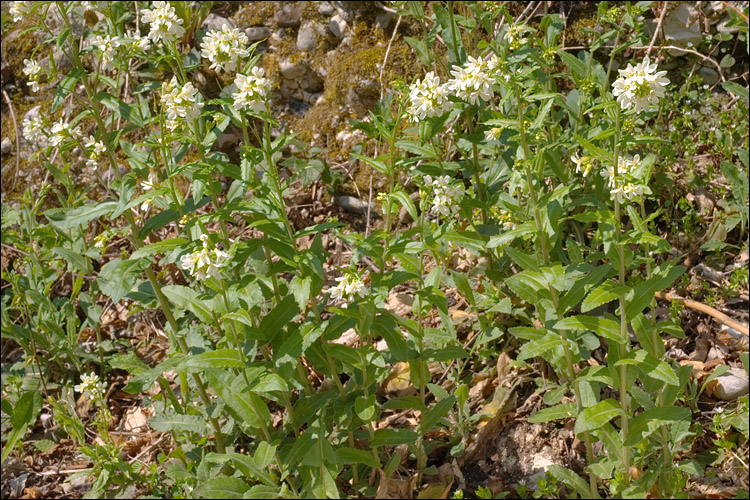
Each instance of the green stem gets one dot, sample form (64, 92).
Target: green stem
(624, 347)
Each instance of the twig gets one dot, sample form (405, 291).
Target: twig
(692, 304)
(387, 51)
(658, 28)
(528, 7)
(18, 141)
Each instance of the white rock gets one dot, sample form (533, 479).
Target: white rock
(337, 26)
(215, 22)
(681, 25)
(307, 37)
(326, 9)
(256, 33)
(292, 71)
(732, 385)
(6, 146)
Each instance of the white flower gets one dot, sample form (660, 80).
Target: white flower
(252, 91)
(472, 82)
(515, 35)
(108, 47)
(223, 48)
(428, 98)
(62, 131)
(91, 387)
(100, 240)
(33, 71)
(180, 102)
(493, 134)
(165, 26)
(627, 191)
(349, 285)
(446, 194)
(18, 10)
(204, 262)
(584, 164)
(639, 86)
(34, 131)
(135, 42)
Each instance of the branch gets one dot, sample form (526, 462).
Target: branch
(718, 315)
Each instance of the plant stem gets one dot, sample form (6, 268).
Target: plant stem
(624, 347)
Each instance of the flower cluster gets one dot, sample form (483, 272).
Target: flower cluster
(474, 80)
(493, 134)
(180, 102)
(224, 48)
(148, 185)
(18, 10)
(446, 194)
(204, 262)
(96, 149)
(584, 164)
(428, 98)
(349, 285)
(622, 186)
(252, 91)
(62, 131)
(165, 26)
(33, 71)
(515, 36)
(91, 387)
(108, 47)
(34, 131)
(639, 86)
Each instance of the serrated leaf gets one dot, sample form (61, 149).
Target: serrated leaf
(604, 293)
(171, 421)
(651, 420)
(570, 479)
(279, 316)
(186, 298)
(436, 413)
(63, 219)
(540, 347)
(567, 410)
(222, 487)
(643, 292)
(524, 229)
(158, 247)
(346, 455)
(606, 328)
(393, 437)
(220, 358)
(596, 416)
(650, 366)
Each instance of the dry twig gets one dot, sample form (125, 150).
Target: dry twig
(717, 315)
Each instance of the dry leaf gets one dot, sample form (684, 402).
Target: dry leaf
(398, 382)
(394, 488)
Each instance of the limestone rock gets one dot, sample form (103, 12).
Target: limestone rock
(681, 26)
(257, 33)
(326, 8)
(731, 385)
(6, 146)
(307, 37)
(291, 70)
(215, 22)
(337, 26)
(287, 17)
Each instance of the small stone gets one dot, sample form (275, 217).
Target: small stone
(34, 113)
(307, 37)
(6, 146)
(709, 75)
(292, 71)
(337, 26)
(384, 20)
(731, 385)
(681, 25)
(352, 204)
(215, 22)
(257, 33)
(288, 18)
(226, 140)
(326, 9)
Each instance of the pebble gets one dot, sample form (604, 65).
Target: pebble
(337, 26)
(307, 37)
(6, 146)
(732, 385)
(215, 22)
(326, 9)
(288, 18)
(257, 33)
(352, 204)
(290, 70)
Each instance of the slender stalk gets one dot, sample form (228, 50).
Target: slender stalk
(624, 347)
(553, 292)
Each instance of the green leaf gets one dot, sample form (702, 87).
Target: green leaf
(567, 410)
(392, 437)
(604, 293)
(260, 491)
(64, 88)
(118, 277)
(651, 420)
(595, 151)
(650, 366)
(596, 416)
(63, 219)
(222, 487)
(346, 455)
(249, 407)
(540, 347)
(364, 407)
(423, 52)
(737, 89)
(186, 298)
(76, 260)
(435, 414)
(220, 358)
(643, 292)
(158, 247)
(530, 286)
(279, 316)
(572, 62)
(571, 479)
(377, 165)
(247, 465)
(24, 414)
(606, 328)
(524, 229)
(120, 109)
(172, 421)
(406, 202)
